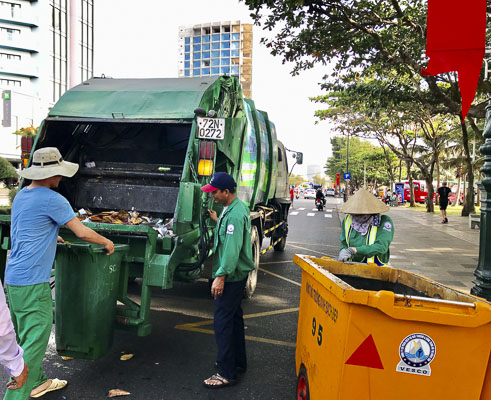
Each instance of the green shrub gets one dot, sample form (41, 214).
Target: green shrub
(12, 194)
(5, 210)
(7, 171)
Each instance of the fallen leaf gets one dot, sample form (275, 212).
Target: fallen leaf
(66, 358)
(117, 392)
(125, 357)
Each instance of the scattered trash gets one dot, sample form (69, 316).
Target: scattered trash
(124, 217)
(125, 357)
(121, 217)
(117, 392)
(164, 228)
(66, 358)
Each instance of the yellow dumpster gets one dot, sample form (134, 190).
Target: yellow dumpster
(370, 332)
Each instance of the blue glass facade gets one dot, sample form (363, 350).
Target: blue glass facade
(212, 53)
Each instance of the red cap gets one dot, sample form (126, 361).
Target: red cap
(220, 181)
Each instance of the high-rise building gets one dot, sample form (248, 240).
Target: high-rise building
(217, 48)
(313, 170)
(46, 47)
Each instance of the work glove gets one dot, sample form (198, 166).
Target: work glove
(346, 254)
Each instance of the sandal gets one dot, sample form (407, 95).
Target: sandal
(220, 382)
(41, 390)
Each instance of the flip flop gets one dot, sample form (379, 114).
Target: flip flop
(56, 384)
(218, 378)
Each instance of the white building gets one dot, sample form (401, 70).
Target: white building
(217, 48)
(46, 47)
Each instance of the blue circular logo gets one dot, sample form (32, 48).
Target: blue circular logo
(417, 350)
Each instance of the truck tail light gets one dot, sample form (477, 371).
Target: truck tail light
(206, 150)
(205, 167)
(206, 155)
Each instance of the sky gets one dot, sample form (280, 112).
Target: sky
(139, 40)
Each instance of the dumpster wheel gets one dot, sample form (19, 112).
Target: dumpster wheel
(303, 392)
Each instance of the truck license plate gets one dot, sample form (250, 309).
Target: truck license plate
(211, 128)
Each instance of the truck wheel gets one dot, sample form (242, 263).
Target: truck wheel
(303, 392)
(252, 278)
(280, 246)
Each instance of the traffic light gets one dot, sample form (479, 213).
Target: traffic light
(337, 179)
(299, 158)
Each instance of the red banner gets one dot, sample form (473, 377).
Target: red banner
(456, 38)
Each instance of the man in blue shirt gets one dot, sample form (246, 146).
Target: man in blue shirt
(37, 214)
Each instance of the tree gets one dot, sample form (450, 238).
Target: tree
(365, 160)
(319, 180)
(27, 131)
(366, 39)
(296, 180)
(7, 171)
(405, 127)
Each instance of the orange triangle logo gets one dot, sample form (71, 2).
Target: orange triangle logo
(366, 355)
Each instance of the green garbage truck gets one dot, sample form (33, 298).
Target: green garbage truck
(145, 147)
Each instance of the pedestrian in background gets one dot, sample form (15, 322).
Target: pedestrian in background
(366, 235)
(443, 193)
(10, 352)
(292, 195)
(232, 262)
(37, 214)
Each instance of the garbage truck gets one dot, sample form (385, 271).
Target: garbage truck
(145, 147)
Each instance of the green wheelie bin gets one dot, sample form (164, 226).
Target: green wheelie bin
(87, 282)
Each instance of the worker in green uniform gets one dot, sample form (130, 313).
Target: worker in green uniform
(365, 233)
(232, 263)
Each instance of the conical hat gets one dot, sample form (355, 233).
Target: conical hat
(363, 202)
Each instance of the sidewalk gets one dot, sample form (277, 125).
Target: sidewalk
(447, 253)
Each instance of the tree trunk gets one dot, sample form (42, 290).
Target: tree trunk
(469, 198)
(411, 187)
(457, 194)
(437, 198)
(430, 207)
(464, 194)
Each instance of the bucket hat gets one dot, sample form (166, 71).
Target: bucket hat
(363, 202)
(48, 162)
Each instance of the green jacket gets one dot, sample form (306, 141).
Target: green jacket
(232, 248)
(380, 248)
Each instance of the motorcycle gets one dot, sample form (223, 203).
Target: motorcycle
(319, 203)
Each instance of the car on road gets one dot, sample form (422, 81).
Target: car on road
(309, 194)
(330, 192)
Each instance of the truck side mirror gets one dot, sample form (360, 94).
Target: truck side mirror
(299, 158)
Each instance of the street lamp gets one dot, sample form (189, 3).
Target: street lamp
(482, 283)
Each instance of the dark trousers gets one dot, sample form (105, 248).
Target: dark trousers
(229, 330)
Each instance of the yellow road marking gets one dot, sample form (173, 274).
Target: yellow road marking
(274, 312)
(279, 276)
(193, 327)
